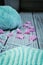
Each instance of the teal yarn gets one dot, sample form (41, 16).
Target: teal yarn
(9, 18)
(22, 56)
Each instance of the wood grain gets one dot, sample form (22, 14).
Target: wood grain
(38, 20)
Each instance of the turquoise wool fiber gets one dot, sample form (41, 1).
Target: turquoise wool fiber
(9, 18)
(22, 56)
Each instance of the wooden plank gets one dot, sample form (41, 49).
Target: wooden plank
(38, 20)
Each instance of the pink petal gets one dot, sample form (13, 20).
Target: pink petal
(1, 31)
(32, 30)
(33, 37)
(20, 36)
(25, 25)
(27, 31)
(10, 34)
(31, 27)
(28, 22)
(19, 31)
(1, 41)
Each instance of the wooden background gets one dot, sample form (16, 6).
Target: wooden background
(24, 5)
(31, 5)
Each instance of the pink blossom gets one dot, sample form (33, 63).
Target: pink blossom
(27, 31)
(33, 37)
(10, 34)
(31, 27)
(25, 25)
(19, 36)
(19, 31)
(32, 30)
(1, 31)
(1, 41)
(28, 22)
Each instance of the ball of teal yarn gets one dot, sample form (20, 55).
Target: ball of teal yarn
(9, 18)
